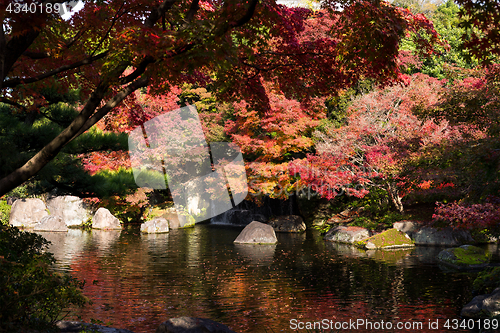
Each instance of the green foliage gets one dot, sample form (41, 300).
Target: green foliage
(128, 208)
(447, 24)
(4, 212)
(213, 112)
(375, 211)
(31, 294)
(23, 191)
(465, 170)
(24, 133)
(337, 105)
(323, 229)
(426, 7)
(378, 222)
(487, 280)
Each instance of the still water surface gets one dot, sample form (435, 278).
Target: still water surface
(138, 281)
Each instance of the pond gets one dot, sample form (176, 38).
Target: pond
(138, 281)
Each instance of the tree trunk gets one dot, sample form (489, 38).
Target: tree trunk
(393, 192)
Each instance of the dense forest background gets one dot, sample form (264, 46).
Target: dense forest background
(379, 105)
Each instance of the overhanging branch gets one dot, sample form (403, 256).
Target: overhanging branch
(17, 81)
(113, 102)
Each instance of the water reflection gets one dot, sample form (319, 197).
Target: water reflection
(258, 255)
(137, 281)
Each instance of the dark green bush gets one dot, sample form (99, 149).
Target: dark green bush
(31, 293)
(487, 280)
(375, 210)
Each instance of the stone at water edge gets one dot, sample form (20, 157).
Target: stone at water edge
(26, 213)
(157, 225)
(71, 209)
(483, 306)
(464, 257)
(388, 239)
(408, 227)
(192, 325)
(347, 235)
(288, 223)
(66, 326)
(444, 237)
(257, 233)
(103, 219)
(174, 219)
(51, 223)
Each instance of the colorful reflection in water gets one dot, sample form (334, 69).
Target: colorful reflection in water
(138, 281)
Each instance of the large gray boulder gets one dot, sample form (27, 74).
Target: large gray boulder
(347, 235)
(238, 216)
(192, 325)
(157, 225)
(408, 227)
(51, 223)
(464, 257)
(71, 209)
(288, 223)
(103, 219)
(26, 213)
(483, 306)
(442, 237)
(257, 233)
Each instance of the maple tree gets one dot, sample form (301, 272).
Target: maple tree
(232, 46)
(379, 144)
(451, 55)
(471, 105)
(480, 19)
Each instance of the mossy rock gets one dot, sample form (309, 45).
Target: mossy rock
(176, 219)
(389, 239)
(464, 257)
(487, 281)
(156, 211)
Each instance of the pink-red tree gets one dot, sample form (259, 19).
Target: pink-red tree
(376, 147)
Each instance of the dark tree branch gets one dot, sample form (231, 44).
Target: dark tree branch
(36, 55)
(244, 19)
(195, 6)
(12, 50)
(248, 15)
(17, 81)
(113, 102)
(15, 104)
(158, 12)
(74, 39)
(138, 71)
(49, 151)
(113, 21)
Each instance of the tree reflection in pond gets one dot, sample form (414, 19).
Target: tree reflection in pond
(142, 280)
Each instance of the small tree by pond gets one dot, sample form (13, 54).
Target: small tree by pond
(32, 295)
